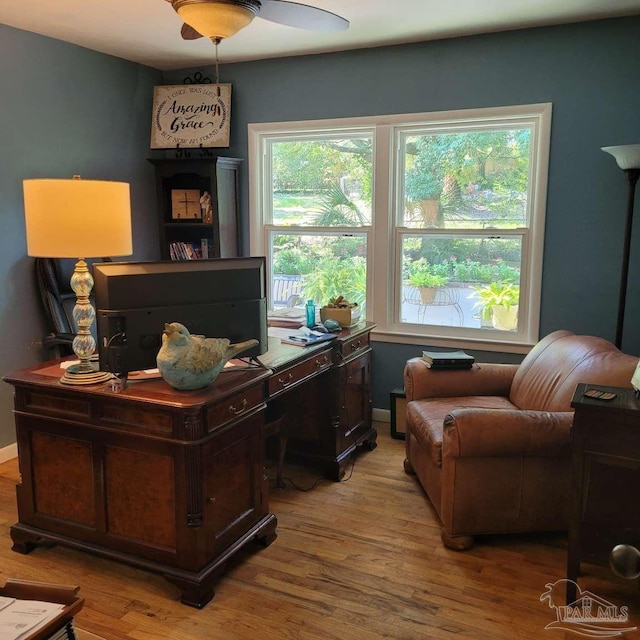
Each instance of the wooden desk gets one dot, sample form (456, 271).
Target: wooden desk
(605, 441)
(324, 394)
(171, 482)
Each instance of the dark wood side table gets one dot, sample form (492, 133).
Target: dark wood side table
(169, 481)
(605, 498)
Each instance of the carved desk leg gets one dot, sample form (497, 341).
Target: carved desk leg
(23, 541)
(268, 534)
(194, 594)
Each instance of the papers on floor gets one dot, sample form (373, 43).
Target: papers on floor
(20, 618)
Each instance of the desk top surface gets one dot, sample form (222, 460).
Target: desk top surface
(233, 378)
(281, 355)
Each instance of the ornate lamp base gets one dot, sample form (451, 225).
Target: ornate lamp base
(75, 375)
(84, 345)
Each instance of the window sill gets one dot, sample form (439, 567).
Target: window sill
(495, 346)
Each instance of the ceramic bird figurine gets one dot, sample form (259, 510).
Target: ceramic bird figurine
(189, 362)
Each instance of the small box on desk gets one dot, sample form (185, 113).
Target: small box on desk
(345, 316)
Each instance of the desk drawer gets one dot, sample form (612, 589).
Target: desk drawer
(354, 345)
(287, 378)
(234, 406)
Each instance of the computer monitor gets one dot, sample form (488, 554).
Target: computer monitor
(219, 298)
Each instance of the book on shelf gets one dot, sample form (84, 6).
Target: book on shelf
(204, 248)
(185, 251)
(190, 251)
(448, 359)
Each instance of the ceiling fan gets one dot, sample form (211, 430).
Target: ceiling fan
(219, 19)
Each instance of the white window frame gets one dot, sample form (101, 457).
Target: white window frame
(384, 236)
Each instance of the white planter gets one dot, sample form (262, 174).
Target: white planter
(504, 318)
(427, 294)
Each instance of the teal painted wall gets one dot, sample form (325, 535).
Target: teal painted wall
(69, 110)
(587, 70)
(65, 110)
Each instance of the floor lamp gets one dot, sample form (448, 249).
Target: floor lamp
(79, 219)
(628, 158)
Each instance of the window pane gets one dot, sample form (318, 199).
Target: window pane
(461, 282)
(473, 180)
(324, 183)
(318, 268)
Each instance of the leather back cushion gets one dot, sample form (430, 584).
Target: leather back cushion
(53, 276)
(547, 378)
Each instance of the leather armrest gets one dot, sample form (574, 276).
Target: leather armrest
(472, 433)
(484, 379)
(56, 339)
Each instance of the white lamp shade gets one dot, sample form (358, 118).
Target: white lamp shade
(627, 155)
(77, 218)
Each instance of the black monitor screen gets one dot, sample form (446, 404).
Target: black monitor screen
(219, 298)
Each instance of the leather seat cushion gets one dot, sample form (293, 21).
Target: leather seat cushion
(426, 418)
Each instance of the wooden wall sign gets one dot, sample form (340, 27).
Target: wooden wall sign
(187, 115)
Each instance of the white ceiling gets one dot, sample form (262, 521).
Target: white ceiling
(148, 31)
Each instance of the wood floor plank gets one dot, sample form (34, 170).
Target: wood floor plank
(357, 560)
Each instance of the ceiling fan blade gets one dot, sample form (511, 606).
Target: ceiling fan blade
(302, 16)
(189, 33)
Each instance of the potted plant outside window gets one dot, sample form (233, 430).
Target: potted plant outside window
(421, 275)
(498, 302)
(423, 191)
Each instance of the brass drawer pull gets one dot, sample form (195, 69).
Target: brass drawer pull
(242, 409)
(321, 363)
(286, 382)
(356, 345)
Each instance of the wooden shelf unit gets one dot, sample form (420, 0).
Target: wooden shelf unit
(219, 176)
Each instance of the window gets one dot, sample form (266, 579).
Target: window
(433, 223)
(317, 204)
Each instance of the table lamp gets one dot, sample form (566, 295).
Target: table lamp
(79, 219)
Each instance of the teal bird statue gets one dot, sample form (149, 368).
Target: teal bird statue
(189, 362)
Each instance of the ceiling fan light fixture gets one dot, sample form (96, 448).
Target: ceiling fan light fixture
(217, 18)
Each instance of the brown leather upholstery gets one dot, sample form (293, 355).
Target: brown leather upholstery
(491, 445)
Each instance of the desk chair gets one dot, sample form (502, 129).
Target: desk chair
(53, 277)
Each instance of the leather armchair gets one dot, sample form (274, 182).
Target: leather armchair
(491, 445)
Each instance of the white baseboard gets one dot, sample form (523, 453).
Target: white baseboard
(381, 415)
(9, 452)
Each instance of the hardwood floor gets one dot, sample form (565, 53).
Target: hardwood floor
(357, 560)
